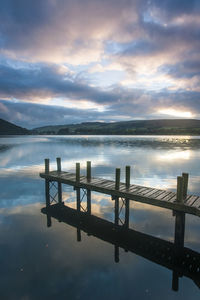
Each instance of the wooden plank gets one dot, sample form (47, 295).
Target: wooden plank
(140, 191)
(70, 177)
(191, 200)
(123, 188)
(173, 199)
(84, 180)
(143, 192)
(135, 188)
(171, 195)
(64, 174)
(148, 190)
(96, 180)
(162, 196)
(107, 182)
(157, 193)
(196, 203)
(151, 193)
(110, 185)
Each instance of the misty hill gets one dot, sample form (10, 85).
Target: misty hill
(7, 128)
(136, 127)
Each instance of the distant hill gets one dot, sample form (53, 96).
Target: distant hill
(7, 128)
(136, 127)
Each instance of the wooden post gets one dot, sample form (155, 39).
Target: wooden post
(116, 210)
(88, 191)
(117, 185)
(116, 254)
(180, 189)
(179, 229)
(77, 172)
(89, 201)
(47, 193)
(78, 235)
(78, 192)
(58, 160)
(126, 223)
(185, 184)
(180, 216)
(127, 202)
(46, 161)
(48, 220)
(88, 170)
(175, 281)
(128, 173)
(78, 199)
(117, 178)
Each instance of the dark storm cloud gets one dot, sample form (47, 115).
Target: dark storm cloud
(32, 115)
(134, 104)
(46, 81)
(172, 8)
(185, 69)
(56, 30)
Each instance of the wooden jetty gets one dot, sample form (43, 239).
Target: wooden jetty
(181, 260)
(176, 201)
(179, 202)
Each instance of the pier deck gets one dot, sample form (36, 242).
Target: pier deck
(152, 196)
(118, 231)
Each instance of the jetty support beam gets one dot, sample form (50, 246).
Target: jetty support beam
(58, 160)
(88, 191)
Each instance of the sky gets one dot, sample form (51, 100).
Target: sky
(73, 61)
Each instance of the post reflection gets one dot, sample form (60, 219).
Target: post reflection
(174, 256)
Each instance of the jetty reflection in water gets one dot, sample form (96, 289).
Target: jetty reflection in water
(181, 260)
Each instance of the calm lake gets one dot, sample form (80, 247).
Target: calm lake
(48, 263)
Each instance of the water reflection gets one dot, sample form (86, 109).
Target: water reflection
(41, 263)
(174, 256)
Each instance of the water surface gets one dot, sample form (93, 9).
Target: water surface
(48, 263)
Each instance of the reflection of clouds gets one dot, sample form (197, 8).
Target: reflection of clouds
(174, 155)
(153, 160)
(34, 170)
(53, 254)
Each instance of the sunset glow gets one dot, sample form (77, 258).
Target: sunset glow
(176, 113)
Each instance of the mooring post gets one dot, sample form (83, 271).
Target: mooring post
(46, 161)
(127, 202)
(180, 189)
(117, 178)
(117, 185)
(128, 176)
(78, 192)
(88, 191)
(180, 216)
(88, 171)
(77, 172)
(185, 184)
(58, 160)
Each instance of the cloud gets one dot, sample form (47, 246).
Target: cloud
(59, 31)
(45, 81)
(118, 59)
